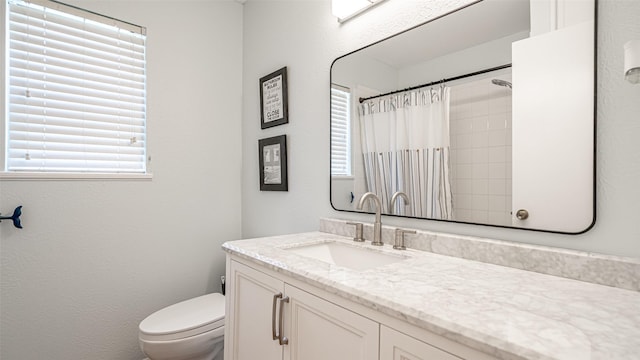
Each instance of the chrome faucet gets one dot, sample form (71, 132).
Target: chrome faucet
(377, 225)
(395, 196)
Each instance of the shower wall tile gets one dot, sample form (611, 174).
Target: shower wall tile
(497, 217)
(500, 104)
(480, 171)
(480, 186)
(464, 126)
(480, 155)
(480, 123)
(480, 216)
(481, 141)
(465, 156)
(497, 171)
(497, 137)
(464, 141)
(466, 186)
(498, 121)
(497, 186)
(480, 202)
(464, 215)
(465, 171)
(497, 203)
(466, 202)
(497, 154)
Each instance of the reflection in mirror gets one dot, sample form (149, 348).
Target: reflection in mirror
(476, 116)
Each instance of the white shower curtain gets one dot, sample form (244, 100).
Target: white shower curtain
(405, 142)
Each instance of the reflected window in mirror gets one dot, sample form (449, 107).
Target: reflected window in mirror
(342, 176)
(340, 131)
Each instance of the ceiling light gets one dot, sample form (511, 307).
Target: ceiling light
(347, 9)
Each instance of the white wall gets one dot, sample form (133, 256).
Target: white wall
(304, 36)
(96, 257)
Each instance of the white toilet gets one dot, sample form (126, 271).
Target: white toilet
(189, 330)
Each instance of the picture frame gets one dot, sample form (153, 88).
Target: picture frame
(274, 109)
(272, 154)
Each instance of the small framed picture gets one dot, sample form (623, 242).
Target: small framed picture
(273, 99)
(272, 153)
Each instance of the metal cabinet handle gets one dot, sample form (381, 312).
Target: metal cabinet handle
(522, 214)
(273, 316)
(282, 339)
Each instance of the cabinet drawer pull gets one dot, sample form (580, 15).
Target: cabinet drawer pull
(282, 339)
(274, 334)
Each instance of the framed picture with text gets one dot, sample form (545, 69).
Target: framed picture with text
(273, 99)
(272, 153)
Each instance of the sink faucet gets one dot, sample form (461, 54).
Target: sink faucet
(395, 196)
(377, 225)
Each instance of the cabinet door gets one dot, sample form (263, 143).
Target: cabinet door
(395, 345)
(320, 330)
(249, 315)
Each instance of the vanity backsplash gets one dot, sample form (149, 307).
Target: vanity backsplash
(616, 271)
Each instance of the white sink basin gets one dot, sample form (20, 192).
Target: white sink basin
(353, 257)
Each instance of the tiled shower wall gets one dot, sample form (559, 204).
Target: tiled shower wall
(480, 129)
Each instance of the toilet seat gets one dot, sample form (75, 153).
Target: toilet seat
(185, 319)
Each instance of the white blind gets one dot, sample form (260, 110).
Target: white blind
(340, 132)
(76, 92)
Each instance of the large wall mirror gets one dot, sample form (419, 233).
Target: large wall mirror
(485, 115)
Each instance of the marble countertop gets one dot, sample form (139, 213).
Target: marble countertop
(505, 312)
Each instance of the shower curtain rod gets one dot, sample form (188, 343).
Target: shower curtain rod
(438, 82)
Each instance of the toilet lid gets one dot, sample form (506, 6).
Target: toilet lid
(187, 318)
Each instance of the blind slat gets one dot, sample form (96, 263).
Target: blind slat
(68, 69)
(61, 46)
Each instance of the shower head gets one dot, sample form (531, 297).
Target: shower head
(501, 83)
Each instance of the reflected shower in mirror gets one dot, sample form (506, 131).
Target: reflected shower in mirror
(476, 115)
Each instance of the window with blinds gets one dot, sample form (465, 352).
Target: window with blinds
(340, 131)
(75, 90)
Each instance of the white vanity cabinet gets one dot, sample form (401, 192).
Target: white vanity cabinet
(248, 316)
(313, 329)
(320, 330)
(317, 325)
(395, 345)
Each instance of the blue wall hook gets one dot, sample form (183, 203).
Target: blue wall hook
(15, 217)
